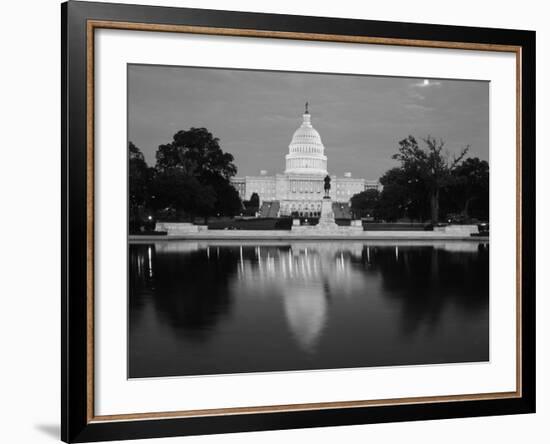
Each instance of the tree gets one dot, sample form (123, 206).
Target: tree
(471, 187)
(182, 193)
(253, 205)
(365, 203)
(403, 195)
(139, 178)
(255, 201)
(228, 202)
(197, 152)
(195, 163)
(431, 166)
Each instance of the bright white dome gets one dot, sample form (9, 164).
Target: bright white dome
(306, 152)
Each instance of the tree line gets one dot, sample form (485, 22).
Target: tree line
(427, 185)
(191, 178)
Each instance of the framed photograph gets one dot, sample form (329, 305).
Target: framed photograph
(276, 221)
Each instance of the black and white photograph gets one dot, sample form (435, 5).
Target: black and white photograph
(289, 221)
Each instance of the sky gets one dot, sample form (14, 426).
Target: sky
(360, 119)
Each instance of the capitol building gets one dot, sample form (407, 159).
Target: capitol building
(299, 190)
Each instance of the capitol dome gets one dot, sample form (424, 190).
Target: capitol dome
(306, 153)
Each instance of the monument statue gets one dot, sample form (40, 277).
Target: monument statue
(327, 187)
(327, 223)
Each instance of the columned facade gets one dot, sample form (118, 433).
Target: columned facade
(300, 189)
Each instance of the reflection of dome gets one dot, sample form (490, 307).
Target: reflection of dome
(306, 312)
(306, 153)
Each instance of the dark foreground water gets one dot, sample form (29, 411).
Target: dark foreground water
(208, 308)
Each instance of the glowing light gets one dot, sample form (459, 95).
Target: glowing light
(150, 262)
(241, 257)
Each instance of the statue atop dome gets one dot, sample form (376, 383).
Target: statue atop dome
(307, 106)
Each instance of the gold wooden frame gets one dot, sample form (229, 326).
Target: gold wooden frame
(92, 25)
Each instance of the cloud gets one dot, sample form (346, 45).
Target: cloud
(426, 83)
(416, 107)
(278, 118)
(416, 95)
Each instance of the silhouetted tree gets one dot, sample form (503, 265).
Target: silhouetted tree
(139, 178)
(252, 205)
(197, 152)
(430, 165)
(228, 202)
(471, 187)
(365, 203)
(403, 195)
(255, 200)
(175, 190)
(197, 164)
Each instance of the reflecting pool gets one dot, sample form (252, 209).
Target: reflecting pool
(213, 307)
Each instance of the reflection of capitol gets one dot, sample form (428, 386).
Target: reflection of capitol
(306, 312)
(307, 280)
(304, 262)
(305, 275)
(300, 188)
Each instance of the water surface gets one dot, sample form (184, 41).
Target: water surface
(211, 307)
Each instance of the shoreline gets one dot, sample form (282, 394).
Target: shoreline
(289, 235)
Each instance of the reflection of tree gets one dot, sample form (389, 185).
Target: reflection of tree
(190, 290)
(425, 280)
